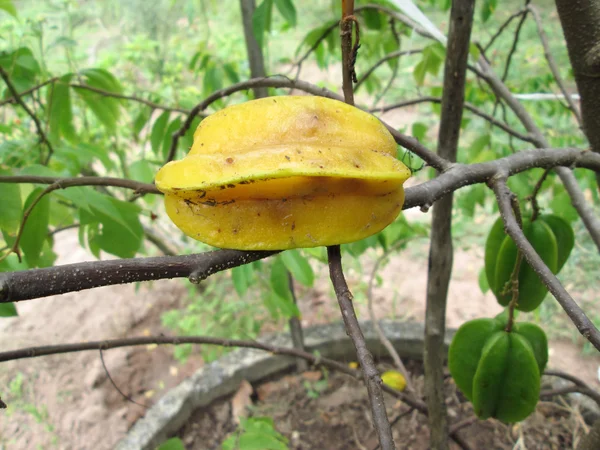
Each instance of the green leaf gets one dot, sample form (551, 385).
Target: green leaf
(431, 61)
(287, 10)
(106, 109)
(142, 171)
(419, 131)
(562, 206)
(261, 21)
(10, 206)
(140, 121)
(7, 5)
(60, 112)
(172, 444)
(242, 278)
(231, 73)
(487, 9)
(212, 81)
(36, 228)
(279, 279)
(373, 19)
(158, 132)
(8, 310)
(187, 140)
(121, 232)
(299, 267)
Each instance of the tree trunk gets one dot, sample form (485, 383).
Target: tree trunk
(580, 20)
(440, 252)
(255, 55)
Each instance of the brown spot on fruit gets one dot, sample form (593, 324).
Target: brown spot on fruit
(229, 160)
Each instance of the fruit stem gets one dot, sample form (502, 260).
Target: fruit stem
(513, 284)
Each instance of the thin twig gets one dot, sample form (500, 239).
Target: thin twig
(132, 98)
(533, 197)
(314, 358)
(365, 358)
(296, 331)
(513, 284)
(513, 47)
(584, 325)
(502, 27)
(468, 106)
(371, 375)
(382, 337)
(110, 378)
(62, 184)
(38, 124)
(389, 56)
(29, 91)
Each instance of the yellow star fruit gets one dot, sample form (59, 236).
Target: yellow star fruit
(285, 172)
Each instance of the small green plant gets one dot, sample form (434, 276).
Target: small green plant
(256, 433)
(315, 388)
(218, 312)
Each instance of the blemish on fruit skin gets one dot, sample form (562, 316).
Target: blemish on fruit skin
(229, 160)
(287, 157)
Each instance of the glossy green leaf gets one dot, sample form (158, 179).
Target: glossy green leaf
(121, 232)
(299, 267)
(36, 228)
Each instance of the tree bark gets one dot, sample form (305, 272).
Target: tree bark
(440, 252)
(580, 20)
(255, 55)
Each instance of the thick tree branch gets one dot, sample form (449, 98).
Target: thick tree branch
(579, 19)
(35, 283)
(441, 250)
(38, 124)
(591, 222)
(578, 317)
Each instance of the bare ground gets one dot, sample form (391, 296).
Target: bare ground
(67, 402)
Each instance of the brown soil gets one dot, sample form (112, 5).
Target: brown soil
(338, 417)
